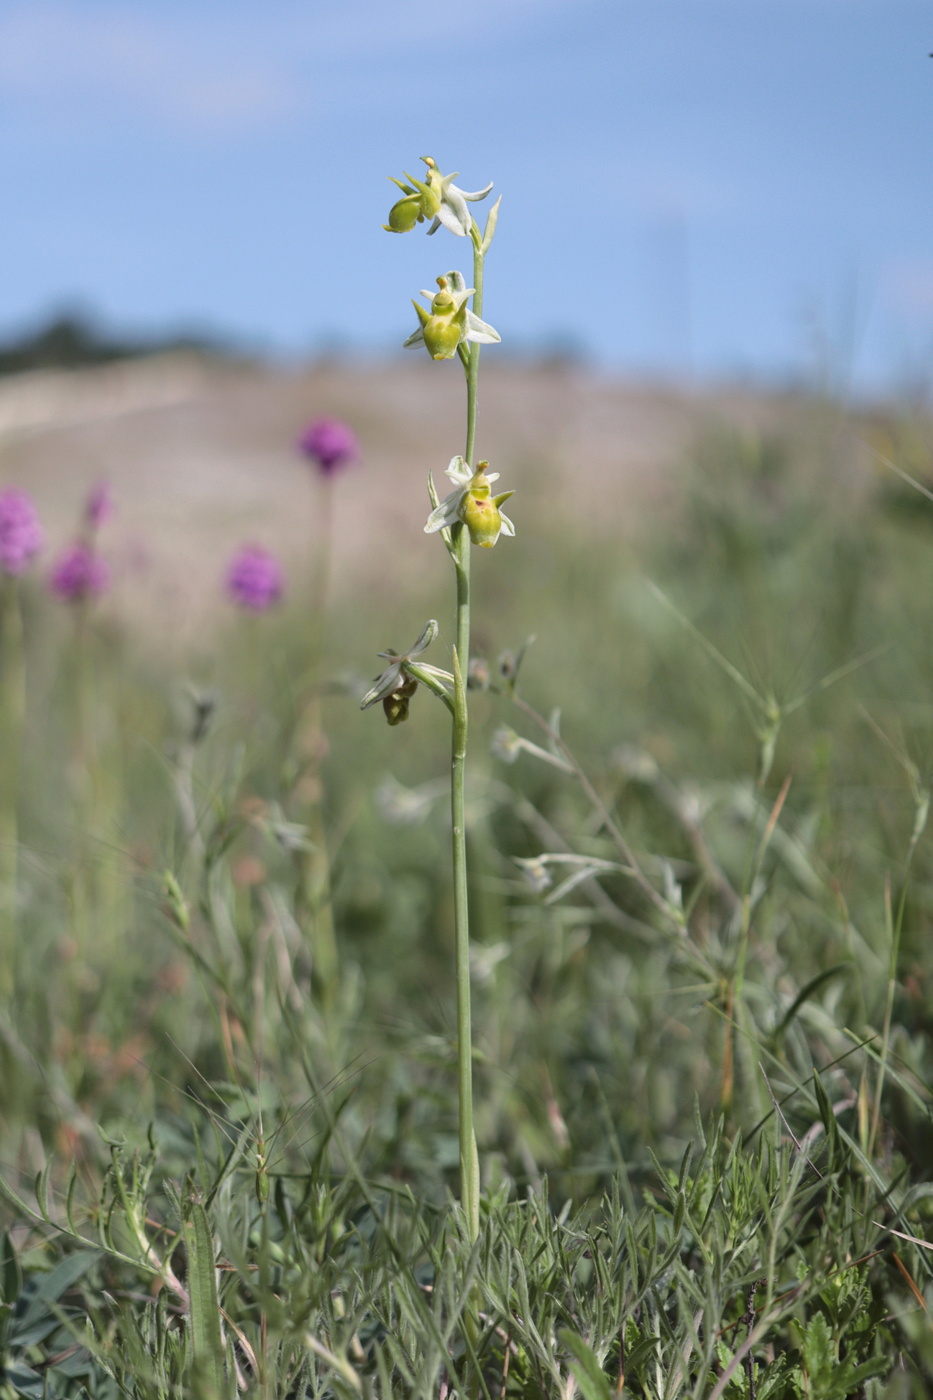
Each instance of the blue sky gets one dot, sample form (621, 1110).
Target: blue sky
(714, 187)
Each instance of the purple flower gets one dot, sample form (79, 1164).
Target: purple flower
(254, 578)
(98, 508)
(330, 443)
(79, 573)
(20, 531)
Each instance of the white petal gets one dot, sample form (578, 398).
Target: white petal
(449, 219)
(415, 338)
(477, 194)
(458, 471)
(434, 227)
(445, 514)
(481, 331)
(507, 527)
(454, 200)
(456, 281)
(428, 296)
(385, 684)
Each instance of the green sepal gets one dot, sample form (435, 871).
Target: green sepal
(430, 199)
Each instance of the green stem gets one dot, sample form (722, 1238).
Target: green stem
(472, 373)
(469, 1160)
(12, 709)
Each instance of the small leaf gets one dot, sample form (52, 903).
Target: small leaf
(202, 1283)
(589, 1375)
(806, 993)
(825, 1107)
(11, 1275)
(66, 1274)
(680, 1210)
(24, 1381)
(818, 1350)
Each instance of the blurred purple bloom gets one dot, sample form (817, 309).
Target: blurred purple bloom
(254, 578)
(331, 444)
(79, 573)
(98, 508)
(20, 531)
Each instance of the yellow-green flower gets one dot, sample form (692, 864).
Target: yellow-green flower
(472, 504)
(435, 197)
(449, 321)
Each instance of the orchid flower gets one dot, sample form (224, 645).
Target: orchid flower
(437, 198)
(396, 686)
(472, 504)
(449, 321)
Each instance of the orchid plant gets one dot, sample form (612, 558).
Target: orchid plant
(470, 514)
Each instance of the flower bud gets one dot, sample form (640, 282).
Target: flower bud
(478, 673)
(506, 744)
(508, 665)
(535, 872)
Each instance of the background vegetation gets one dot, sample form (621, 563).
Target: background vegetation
(705, 1142)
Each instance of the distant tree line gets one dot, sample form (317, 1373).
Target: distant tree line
(70, 341)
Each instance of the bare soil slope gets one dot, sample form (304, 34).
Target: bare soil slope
(201, 458)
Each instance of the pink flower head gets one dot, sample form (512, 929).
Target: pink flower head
(79, 573)
(20, 531)
(254, 578)
(331, 444)
(98, 508)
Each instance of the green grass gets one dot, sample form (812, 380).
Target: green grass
(703, 1090)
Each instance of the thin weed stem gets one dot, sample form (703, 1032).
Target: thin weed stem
(622, 846)
(12, 709)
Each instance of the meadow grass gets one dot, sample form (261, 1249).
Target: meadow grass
(700, 904)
